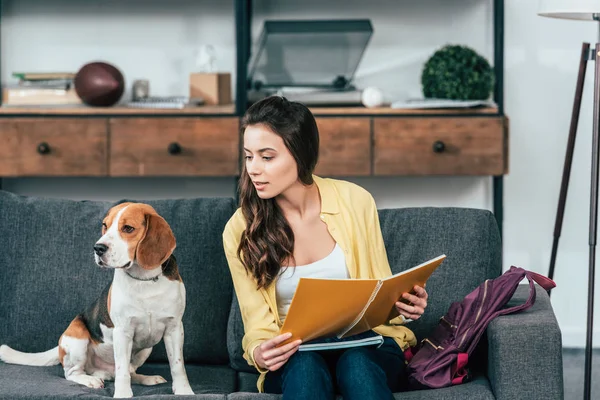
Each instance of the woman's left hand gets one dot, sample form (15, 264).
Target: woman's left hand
(416, 306)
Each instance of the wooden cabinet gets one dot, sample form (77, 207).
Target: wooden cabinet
(174, 147)
(53, 147)
(345, 146)
(352, 145)
(440, 146)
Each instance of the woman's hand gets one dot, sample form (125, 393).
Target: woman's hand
(271, 357)
(416, 306)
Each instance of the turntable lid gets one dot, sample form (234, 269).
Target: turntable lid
(316, 53)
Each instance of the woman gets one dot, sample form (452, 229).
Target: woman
(292, 223)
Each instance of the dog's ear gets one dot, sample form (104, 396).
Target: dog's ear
(157, 244)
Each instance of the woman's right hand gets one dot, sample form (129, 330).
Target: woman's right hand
(268, 356)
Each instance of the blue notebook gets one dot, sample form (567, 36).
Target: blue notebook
(368, 338)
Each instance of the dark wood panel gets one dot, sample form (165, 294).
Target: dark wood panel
(207, 146)
(53, 147)
(440, 146)
(345, 147)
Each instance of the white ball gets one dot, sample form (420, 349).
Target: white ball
(372, 97)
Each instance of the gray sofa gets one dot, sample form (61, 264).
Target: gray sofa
(48, 275)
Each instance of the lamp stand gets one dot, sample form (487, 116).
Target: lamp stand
(586, 55)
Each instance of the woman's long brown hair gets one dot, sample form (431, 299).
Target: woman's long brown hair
(268, 240)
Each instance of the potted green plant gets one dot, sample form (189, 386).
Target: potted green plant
(458, 73)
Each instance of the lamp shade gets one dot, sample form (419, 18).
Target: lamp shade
(569, 9)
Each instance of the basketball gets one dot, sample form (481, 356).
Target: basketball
(99, 84)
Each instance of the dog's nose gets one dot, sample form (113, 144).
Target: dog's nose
(100, 248)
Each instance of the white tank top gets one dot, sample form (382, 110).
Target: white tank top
(332, 266)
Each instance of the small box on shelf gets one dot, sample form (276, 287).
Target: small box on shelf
(213, 87)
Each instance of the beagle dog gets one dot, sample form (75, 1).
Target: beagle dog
(143, 304)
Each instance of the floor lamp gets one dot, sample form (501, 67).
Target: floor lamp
(581, 10)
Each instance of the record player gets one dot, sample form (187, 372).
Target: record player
(311, 61)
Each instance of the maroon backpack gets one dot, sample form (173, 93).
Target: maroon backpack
(442, 358)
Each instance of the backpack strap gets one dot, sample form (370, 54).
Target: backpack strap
(543, 281)
(532, 277)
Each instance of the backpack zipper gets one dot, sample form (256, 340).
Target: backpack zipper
(433, 345)
(448, 322)
(485, 287)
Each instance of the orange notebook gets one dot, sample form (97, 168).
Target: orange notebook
(344, 307)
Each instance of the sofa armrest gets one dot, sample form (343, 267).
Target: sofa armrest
(525, 351)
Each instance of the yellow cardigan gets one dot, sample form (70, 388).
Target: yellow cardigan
(351, 217)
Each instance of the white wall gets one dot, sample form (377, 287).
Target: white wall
(156, 39)
(542, 58)
(145, 39)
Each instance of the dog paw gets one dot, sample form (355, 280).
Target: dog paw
(150, 380)
(95, 383)
(182, 390)
(123, 393)
(88, 380)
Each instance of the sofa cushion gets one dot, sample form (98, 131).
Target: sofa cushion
(479, 389)
(469, 237)
(246, 382)
(49, 275)
(48, 383)
(235, 333)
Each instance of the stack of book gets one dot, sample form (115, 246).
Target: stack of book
(41, 89)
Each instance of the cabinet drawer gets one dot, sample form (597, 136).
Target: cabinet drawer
(440, 146)
(174, 147)
(345, 146)
(53, 147)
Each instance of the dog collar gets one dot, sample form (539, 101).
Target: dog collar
(153, 279)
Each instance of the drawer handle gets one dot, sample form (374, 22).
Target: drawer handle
(439, 146)
(174, 148)
(43, 148)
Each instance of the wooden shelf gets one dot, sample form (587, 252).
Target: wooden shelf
(117, 110)
(229, 110)
(398, 111)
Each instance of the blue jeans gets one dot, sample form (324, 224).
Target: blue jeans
(356, 373)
